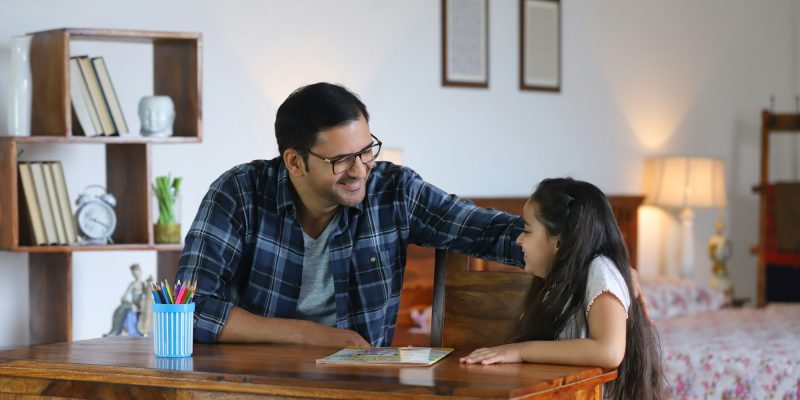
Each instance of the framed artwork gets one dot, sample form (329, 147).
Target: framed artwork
(540, 45)
(465, 43)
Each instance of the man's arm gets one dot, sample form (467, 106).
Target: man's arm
(245, 327)
(438, 219)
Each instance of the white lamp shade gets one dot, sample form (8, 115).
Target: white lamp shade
(393, 155)
(685, 182)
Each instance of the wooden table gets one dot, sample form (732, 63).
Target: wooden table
(126, 368)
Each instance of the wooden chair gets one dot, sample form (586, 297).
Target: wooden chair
(474, 308)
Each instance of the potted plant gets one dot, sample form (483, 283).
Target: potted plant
(167, 228)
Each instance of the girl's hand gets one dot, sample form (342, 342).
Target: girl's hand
(507, 353)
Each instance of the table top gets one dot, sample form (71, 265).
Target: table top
(285, 370)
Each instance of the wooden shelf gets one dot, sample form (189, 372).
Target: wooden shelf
(176, 73)
(121, 35)
(105, 247)
(100, 139)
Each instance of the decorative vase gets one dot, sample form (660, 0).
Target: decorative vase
(167, 230)
(167, 233)
(20, 89)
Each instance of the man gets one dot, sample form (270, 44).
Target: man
(310, 247)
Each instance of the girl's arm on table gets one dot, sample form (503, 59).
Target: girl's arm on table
(605, 346)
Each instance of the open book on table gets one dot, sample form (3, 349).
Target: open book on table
(402, 356)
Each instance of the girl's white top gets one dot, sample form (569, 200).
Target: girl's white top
(604, 277)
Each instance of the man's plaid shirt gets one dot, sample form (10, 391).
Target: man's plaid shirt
(245, 247)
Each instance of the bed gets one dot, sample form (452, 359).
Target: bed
(713, 350)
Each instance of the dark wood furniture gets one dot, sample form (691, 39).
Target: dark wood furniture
(177, 73)
(126, 368)
(418, 290)
(778, 269)
(474, 308)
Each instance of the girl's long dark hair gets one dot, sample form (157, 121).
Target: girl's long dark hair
(580, 213)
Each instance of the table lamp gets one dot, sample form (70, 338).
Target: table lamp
(687, 183)
(393, 155)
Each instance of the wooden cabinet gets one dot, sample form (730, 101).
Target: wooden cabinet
(176, 73)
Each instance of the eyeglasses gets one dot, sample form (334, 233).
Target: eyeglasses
(342, 164)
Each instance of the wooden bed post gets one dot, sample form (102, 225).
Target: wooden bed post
(770, 124)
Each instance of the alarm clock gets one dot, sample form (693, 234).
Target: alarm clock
(95, 215)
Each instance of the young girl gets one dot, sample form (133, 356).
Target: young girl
(583, 315)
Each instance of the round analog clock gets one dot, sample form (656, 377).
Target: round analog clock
(95, 216)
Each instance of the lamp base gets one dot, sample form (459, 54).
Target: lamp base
(687, 224)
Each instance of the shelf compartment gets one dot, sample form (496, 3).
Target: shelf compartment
(128, 179)
(176, 73)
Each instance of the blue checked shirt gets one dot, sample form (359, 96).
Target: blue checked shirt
(245, 246)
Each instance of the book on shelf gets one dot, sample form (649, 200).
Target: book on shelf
(110, 95)
(82, 106)
(31, 205)
(64, 204)
(96, 93)
(52, 199)
(400, 356)
(44, 203)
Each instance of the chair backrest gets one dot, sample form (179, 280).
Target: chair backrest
(474, 308)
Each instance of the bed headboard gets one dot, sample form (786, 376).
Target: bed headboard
(625, 211)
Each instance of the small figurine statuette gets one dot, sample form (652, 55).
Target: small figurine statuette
(156, 113)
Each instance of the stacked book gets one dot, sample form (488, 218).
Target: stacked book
(94, 102)
(44, 190)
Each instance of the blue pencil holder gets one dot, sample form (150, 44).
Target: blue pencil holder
(173, 332)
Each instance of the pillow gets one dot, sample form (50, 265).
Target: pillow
(669, 298)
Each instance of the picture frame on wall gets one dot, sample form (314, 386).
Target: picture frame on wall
(465, 43)
(540, 45)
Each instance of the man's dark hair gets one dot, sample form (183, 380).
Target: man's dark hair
(311, 109)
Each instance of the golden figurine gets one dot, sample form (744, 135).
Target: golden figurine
(719, 249)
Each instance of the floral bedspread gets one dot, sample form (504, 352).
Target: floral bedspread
(733, 353)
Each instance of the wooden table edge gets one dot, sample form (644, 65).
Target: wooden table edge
(557, 392)
(64, 372)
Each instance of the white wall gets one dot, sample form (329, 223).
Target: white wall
(796, 36)
(640, 78)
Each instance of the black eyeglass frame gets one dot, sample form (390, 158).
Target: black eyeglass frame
(352, 156)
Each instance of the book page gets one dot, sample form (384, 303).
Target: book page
(405, 356)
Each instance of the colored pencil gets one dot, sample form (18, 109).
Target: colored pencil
(169, 293)
(192, 290)
(165, 293)
(181, 295)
